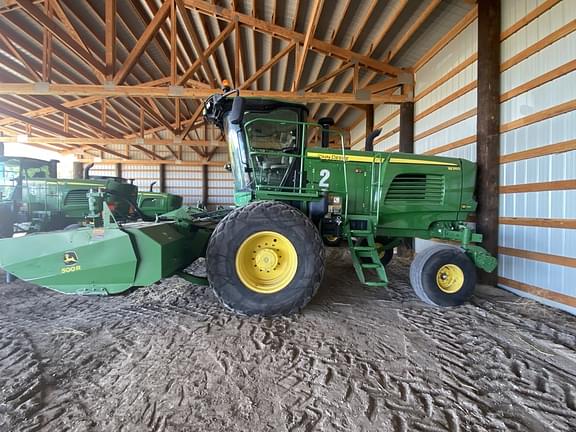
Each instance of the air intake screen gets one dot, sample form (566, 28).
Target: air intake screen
(77, 197)
(427, 188)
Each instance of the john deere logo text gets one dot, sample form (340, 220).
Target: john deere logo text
(70, 258)
(71, 263)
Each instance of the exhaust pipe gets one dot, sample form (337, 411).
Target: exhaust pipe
(369, 146)
(326, 122)
(87, 171)
(151, 189)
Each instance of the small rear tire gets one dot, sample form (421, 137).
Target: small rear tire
(331, 241)
(443, 275)
(265, 258)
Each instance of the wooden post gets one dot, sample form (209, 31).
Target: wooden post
(205, 185)
(369, 126)
(406, 145)
(118, 168)
(488, 128)
(162, 182)
(77, 170)
(407, 127)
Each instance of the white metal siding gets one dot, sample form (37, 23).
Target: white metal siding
(554, 204)
(559, 204)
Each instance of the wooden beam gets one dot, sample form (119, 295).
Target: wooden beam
(142, 42)
(538, 256)
(209, 51)
(148, 162)
(388, 24)
(195, 93)
(382, 85)
(561, 147)
(406, 35)
(47, 47)
(205, 185)
(77, 141)
(196, 42)
(488, 128)
(539, 292)
(62, 36)
(528, 18)
(291, 35)
(267, 66)
(539, 187)
(310, 30)
(329, 75)
(42, 125)
(447, 38)
(32, 73)
(110, 38)
(369, 126)
(407, 127)
(539, 222)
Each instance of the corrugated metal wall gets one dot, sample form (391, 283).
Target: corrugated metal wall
(540, 257)
(538, 139)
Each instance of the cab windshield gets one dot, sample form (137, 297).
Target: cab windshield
(276, 130)
(274, 141)
(9, 177)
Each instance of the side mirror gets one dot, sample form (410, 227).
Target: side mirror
(237, 112)
(228, 167)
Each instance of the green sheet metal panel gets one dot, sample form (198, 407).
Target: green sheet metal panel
(82, 261)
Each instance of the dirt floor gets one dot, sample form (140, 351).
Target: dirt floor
(170, 358)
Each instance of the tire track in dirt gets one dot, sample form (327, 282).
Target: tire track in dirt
(169, 358)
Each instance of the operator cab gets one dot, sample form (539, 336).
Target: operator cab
(15, 170)
(265, 138)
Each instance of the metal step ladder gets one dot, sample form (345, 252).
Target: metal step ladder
(365, 257)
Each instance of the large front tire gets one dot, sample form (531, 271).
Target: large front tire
(265, 259)
(443, 275)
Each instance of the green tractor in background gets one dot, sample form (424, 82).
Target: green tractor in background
(150, 204)
(33, 199)
(267, 255)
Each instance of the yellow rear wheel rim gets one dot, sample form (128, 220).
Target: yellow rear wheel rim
(266, 262)
(450, 278)
(380, 249)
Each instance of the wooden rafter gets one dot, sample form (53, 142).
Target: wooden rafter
(60, 34)
(386, 27)
(207, 53)
(33, 73)
(412, 29)
(191, 30)
(142, 42)
(285, 33)
(110, 38)
(267, 66)
(312, 23)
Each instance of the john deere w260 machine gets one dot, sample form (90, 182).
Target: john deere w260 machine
(266, 256)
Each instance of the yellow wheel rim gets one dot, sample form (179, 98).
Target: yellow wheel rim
(331, 238)
(450, 278)
(380, 249)
(266, 262)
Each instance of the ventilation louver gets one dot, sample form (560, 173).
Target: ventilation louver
(428, 188)
(77, 197)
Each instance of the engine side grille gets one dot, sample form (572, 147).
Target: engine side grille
(77, 197)
(427, 188)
